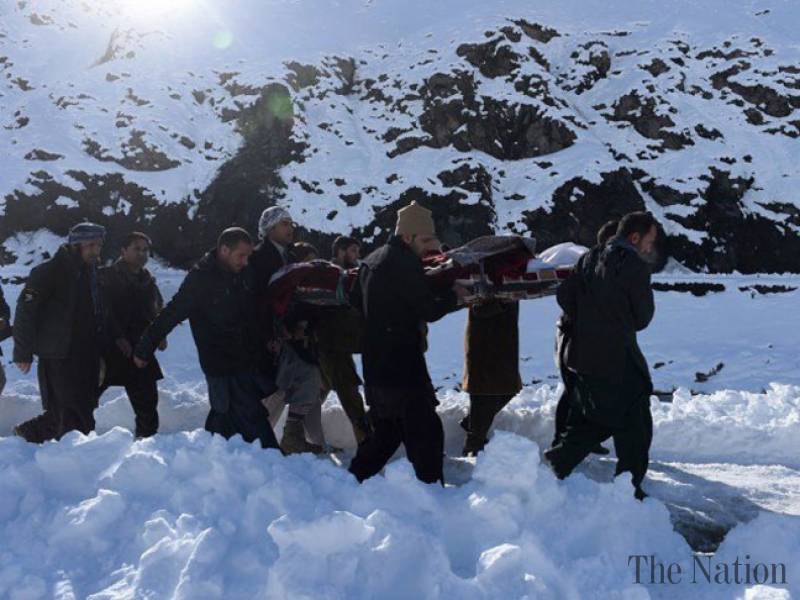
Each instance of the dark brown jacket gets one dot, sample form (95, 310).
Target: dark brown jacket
(491, 350)
(132, 301)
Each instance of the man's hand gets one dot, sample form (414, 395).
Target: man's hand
(461, 292)
(162, 345)
(124, 347)
(141, 364)
(24, 367)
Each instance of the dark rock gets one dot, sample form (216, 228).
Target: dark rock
(537, 32)
(657, 67)
(768, 289)
(492, 59)
(703, 377)
(641, 113)
(693, 288)
(580, 208)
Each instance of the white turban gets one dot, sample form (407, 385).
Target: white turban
(271, 217)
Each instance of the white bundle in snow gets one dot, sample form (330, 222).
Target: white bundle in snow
(560, 256)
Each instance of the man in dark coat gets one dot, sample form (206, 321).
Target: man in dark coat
(491, 367)
(59, 318)
(608, 300)
(393, 294)
(276, 234)
(338, 334)
(604, 234)
(132, 301)
(218, 297)
(5, 332)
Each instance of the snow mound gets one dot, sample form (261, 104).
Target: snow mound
(191, 516)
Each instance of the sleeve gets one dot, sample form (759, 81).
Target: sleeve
(567, 292)
(178, 309)
(159, 299)
(5, 316)
(430, 306)
(39, 287)
(106, 281)
(357, 293)
(640, 293)
(5, 311)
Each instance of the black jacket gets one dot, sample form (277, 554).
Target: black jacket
(265, 261)
(59, 311)
(132, 301)
(393, 294)
(606, 302)
(222, 312)
(5, 315)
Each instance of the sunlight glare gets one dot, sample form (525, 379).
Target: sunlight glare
(156, 9)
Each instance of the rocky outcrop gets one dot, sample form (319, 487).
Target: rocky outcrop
(527, 129)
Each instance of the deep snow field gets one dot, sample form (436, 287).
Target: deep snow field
(185, 515)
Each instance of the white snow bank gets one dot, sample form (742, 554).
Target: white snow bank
(190, 516)
(741, 427)
(729, 426)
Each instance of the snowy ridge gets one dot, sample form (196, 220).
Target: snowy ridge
(498, 114)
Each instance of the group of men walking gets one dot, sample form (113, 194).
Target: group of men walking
(95, 328)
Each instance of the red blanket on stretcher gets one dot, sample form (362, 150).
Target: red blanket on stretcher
(491, 266)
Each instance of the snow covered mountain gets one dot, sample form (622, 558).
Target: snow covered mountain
(180, 118)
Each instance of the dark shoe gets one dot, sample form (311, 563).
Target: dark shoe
(473, 444)
(639, 493)
(294, 439)
(551, 456)
(601, 450)
(465, 423)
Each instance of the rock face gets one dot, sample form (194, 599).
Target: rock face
(536, 128)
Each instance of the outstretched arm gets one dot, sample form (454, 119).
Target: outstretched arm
(177, 310)
(429, 305)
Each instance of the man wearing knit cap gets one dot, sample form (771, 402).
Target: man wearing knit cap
(276, 232)
(393, 294)
(59, 318)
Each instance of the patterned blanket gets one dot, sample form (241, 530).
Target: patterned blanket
(502, 267)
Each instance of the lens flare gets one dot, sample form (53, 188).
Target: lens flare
(155, 9)
(223, 40)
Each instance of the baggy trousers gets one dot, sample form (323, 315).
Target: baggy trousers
(70, 391)
(600, 410)
(236, 408)
(402, 416)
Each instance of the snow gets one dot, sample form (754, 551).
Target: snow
(188, 515)
(164, 57)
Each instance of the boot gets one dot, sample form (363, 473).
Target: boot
(601, 450)
(361, 429)
(294, 439)
(464, 423)
(552, 456)
(473, 444)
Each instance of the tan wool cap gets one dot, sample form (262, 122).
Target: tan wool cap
(414, 220)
